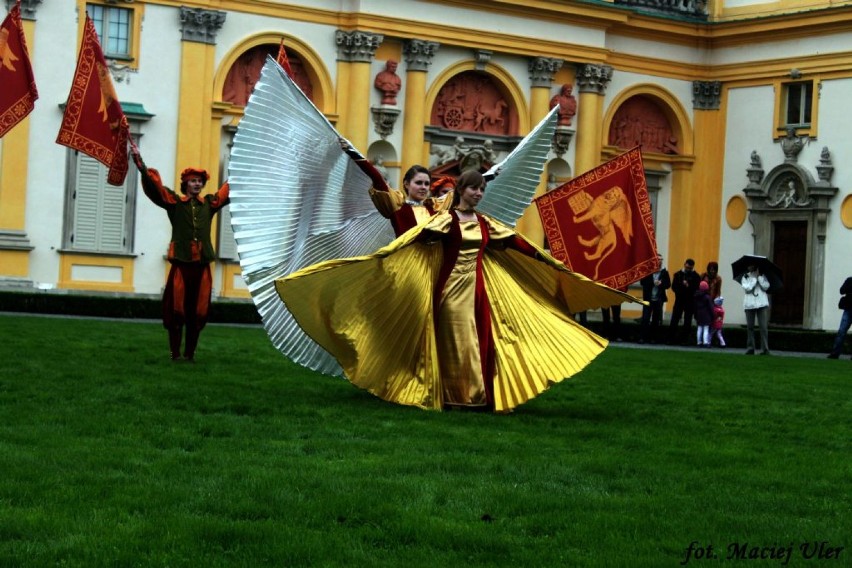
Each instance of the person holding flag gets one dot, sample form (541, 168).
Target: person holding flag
(186, 299)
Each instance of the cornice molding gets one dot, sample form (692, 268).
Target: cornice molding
(611, 20)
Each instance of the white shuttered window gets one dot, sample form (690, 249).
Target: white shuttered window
(100, 216)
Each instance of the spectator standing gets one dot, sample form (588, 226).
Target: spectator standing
(703, 314)
(713, 279)
(756, 305)
(654, 288)
(845, 320)
(684, 285)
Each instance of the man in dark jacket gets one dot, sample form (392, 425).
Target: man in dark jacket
(845, 320)
(684, 285)
(654, 288)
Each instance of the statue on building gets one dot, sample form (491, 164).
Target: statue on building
(792, 144)
(443, 154)
(567, 105)
(755, 160)
(552, 182)
(379, 164)
(670, 146)
(389, 83)
(488, 151)
(460, 149)
(788, 196)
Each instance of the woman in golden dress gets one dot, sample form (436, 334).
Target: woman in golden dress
(457, 312)
(404, 209)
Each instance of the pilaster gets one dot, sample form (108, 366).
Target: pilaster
(703, 182)
(355, 51)
(198, 34)
(592, 81)
(541, 73)
(418, 56)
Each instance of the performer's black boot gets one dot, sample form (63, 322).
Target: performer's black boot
(191, 342)
(174, 342)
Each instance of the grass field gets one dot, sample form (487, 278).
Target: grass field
(112, 455)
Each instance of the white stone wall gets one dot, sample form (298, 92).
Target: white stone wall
(834, 128)
(53, 55)
(157, 87)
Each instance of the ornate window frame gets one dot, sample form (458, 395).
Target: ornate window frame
(782, 90)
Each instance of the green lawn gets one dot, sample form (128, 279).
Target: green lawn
(112, 455)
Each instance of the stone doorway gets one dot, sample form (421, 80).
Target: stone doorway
(788, 210)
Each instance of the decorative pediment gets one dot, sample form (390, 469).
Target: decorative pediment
(789, 186)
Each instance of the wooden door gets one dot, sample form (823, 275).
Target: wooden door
(790, 246)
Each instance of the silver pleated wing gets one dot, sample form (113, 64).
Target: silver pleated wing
(296, 199)
(518, 175)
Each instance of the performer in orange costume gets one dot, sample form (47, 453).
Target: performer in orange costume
(186, 299)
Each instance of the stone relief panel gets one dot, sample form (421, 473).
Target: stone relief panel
(472, 102)
(241, 78)
(789, 191)
(641, 122)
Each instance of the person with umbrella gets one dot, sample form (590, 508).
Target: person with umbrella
(756, 305)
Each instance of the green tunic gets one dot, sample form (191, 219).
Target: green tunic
(191, 218)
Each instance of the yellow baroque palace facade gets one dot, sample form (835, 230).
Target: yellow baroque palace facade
(741, 108)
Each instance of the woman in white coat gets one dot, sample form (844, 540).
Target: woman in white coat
(756, 304)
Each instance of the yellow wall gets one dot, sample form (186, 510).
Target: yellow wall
(70, 263)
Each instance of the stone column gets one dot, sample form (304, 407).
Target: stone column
(541, 72)
(14, 159)
(592, 81)
(418, 56)
(195, 148)
(355, 51)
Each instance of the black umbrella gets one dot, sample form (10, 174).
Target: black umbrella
(764, 265)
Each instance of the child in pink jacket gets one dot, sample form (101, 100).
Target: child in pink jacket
(718, 320)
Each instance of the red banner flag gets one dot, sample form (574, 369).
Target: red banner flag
(93, 122)
(19, 93)
(600, 225)
(283, 61)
